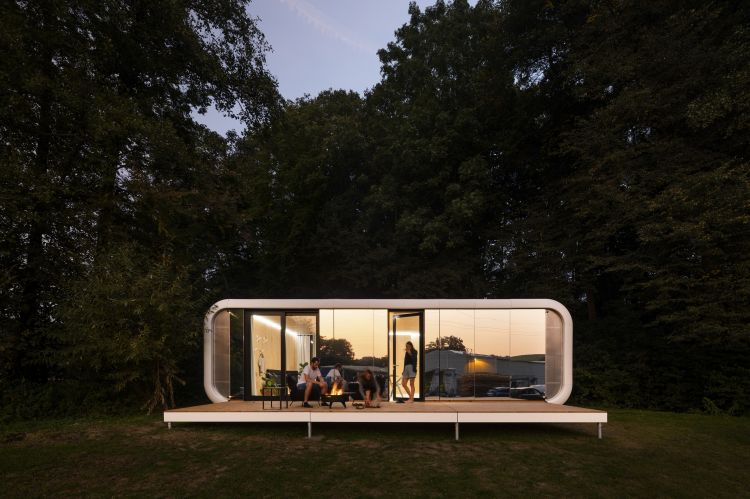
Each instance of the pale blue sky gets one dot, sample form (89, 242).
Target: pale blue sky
(322, 44)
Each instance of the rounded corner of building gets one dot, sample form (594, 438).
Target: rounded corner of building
(560, 309)
(566, 387)
(562, 396)
(212, 393)
(208, 359)
(217, 307)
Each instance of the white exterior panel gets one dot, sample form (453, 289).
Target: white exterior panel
(236, 417)
(375, 416)
(532, 417)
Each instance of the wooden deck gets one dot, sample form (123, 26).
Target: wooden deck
(454, 412)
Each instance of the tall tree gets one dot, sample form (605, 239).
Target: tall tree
(653, 193)
(304, 177)
(441, 117)
(99, 150)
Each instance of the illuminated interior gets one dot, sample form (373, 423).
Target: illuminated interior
(463, 353)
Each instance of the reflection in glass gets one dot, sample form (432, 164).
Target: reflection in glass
(468, 353)
(489, 353)
(356, 338)
(380, 340)
(492, 355)
(455, 354)
(431, 364)
(527, 350)
(265, 341)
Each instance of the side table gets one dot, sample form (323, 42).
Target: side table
(275, 392)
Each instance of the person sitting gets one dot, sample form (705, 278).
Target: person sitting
(369, 389)
(336, 379)
(312, 379)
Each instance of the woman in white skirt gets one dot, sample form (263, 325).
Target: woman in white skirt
(410, 371)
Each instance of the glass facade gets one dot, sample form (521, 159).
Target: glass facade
(236, 354)
(491, 365)
(527, 355)
(485, 353)
(221, 352)
(227, 353)
(265, 350)
(553, 358)
(356, 338)
(463, 353)
(434, 382)
(456, 352)
(300, 337)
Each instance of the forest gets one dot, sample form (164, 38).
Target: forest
(592, 152)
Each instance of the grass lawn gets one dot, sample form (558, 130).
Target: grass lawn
(642, 454)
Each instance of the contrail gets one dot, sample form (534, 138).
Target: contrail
(326, 26)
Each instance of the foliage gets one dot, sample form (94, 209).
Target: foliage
(653, 199)
(595, 153)
(132, 323)
(446, 343)
(332, 351)
(104, 170)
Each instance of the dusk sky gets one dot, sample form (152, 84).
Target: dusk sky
(322, 44)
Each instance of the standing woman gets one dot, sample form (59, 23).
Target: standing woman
(410, 371)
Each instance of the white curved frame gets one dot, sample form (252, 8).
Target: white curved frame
(208, 325)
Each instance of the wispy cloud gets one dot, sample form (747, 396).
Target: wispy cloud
(328, 27)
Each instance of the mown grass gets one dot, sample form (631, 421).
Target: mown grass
(642, 454)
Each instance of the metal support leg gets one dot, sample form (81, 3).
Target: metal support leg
(599, 425)
(169, 425)
(309, 429)
(456, 431)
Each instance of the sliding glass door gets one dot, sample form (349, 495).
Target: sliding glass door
(273, 336)
(405, 327)
(265, 349)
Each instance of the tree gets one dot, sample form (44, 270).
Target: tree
(303, 178)
(645, 158)
(438, 180)
(332, 351)
(99, 150)
(446, 343)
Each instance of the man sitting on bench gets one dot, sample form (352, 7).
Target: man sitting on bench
(312, 379)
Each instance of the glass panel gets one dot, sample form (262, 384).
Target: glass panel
(433, 385)
(407, 330)
(300, 335)
(380, 337)
(356, 338)
(492, 355)
(457, 347)
(265, 340)
(236, 353)
(527, 351)
(554, 354)
(221, 353)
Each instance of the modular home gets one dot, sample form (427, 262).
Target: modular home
(472, 349)
(480, 360)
